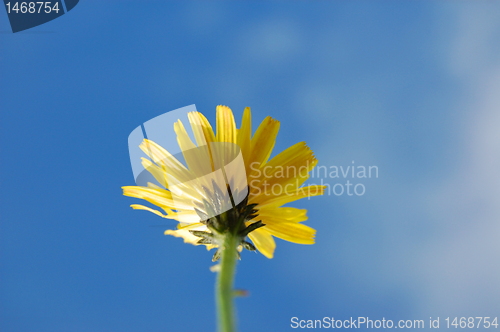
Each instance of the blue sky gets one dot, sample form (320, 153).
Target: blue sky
(410, 87)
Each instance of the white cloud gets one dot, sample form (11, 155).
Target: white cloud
(474, 46)
(460, 266)
(454, 265)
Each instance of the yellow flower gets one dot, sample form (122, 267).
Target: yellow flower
(228, 175)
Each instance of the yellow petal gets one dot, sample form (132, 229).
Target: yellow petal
(286, 171)
(189, 217)
(262, 143)
(159, 197)
(158, 173)
(289, 231)
(197, 127)
(196, 226)
(263, 241)
(291, 166)
(156, 152)
(154, 186)
(287, 197)
(187, 236)
(244, 136)
(142, 207)
(169, 164)
(207, 128)
(226, 128)
(283, 213)
(197, 158)
(203, 133)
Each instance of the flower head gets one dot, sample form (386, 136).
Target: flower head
(228, 184)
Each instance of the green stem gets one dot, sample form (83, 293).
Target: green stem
(224, 286)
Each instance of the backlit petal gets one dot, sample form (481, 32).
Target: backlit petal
(263, 241)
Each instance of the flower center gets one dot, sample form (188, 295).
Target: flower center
(221, 221)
